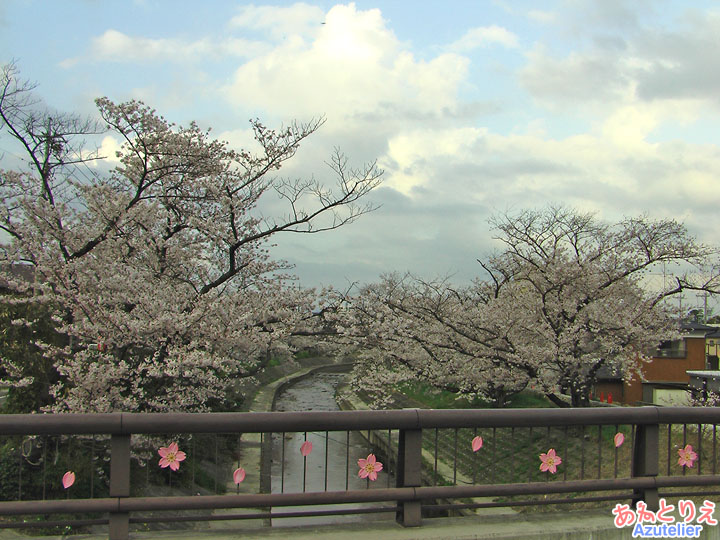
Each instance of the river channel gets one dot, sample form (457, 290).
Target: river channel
(332, 463)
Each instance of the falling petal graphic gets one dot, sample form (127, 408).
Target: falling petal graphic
(477, 443)
(68, 479)
(619, 439)
(306, 448)
(239, 475)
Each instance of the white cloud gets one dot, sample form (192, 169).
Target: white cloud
(590, 172)
(630, 125)
(109, 147)
(355, 70)
(540, 16)
(115, 46)
(647, 62)
(577, 78)
(279, 22)
(484, 36)
(545, 17)
(446, 171)
(409, 153)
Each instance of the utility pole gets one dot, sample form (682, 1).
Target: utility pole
(704, 295)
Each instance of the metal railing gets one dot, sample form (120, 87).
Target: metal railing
(422, 442)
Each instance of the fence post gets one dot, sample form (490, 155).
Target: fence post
(266, 469)
(409, 469)
(645, 462)
(119, 484)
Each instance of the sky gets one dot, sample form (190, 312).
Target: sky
(472, 108)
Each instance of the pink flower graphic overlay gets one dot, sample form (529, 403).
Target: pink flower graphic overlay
(68, 479)
(477, 443)
(306, 448)
(687, 456)
(550, 461)
(369, 467)
(239, 475)
(619, 439)
(170, 456)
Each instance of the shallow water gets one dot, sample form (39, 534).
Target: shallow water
(332, 464)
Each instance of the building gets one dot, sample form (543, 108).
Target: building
(665, 378)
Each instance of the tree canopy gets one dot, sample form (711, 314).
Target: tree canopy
(159, 272)
(564, 299)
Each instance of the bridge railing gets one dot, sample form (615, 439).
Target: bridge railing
(610, 453)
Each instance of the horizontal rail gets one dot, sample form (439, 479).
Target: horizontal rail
(265, 515)
(408, 496)
(212, 502)
(132, 423)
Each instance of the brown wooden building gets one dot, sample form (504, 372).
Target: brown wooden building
(665, 378)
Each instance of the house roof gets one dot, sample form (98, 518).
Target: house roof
(690, 325)
(693, 329)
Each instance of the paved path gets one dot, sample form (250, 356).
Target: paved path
(544, 526)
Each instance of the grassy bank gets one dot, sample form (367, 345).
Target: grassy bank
(434, 398)
(512, 455)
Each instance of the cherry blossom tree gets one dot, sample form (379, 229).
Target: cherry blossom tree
(586, 306)
(563, 300)
(159, 272)
(456, 339)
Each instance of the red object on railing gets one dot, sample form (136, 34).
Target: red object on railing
(609, 397)
(602, 396)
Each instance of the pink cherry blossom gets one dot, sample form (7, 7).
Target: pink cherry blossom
(619, 439)
(239, 475)
(369, 467)
(687, 456)
(475, 337)
(170, 456)
(550, 461)
(144, 255)
(68, 479)
(477, 443)
(306, 448)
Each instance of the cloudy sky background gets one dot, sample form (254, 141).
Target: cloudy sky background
(470, 107)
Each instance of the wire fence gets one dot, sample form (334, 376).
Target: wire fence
(407, 462)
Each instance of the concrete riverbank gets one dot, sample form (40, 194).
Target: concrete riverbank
(348, 401)
(254, 445)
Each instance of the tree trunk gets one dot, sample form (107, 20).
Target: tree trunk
(557, 401)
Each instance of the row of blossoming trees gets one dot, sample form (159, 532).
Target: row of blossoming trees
(564, 298)
(151, 286)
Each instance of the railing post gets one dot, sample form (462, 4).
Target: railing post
(119, 484)
(266, 469)
(409, 471)
(645, 462)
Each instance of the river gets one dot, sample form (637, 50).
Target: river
(332, 463)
